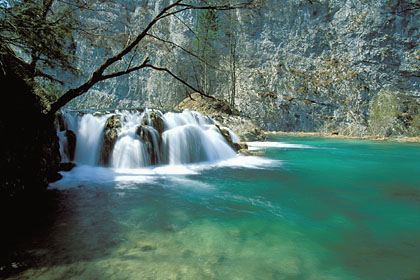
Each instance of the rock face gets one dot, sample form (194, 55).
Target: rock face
(301, 65)
(220, 111)
(329, 59)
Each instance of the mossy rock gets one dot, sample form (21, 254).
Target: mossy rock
(225, 133)
(207, 106)
(240, 146)
(111, 132)
(155, 121)
(146, 136)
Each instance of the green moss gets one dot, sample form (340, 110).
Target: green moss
(383, 113)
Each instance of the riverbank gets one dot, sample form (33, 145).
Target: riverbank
(329, 135)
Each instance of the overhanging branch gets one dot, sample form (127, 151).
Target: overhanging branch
(98, 75)
(49, 77)
(127, 71)
(185, 50)
(186, 7)
(178, 79)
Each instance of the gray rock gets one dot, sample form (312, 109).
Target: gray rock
(301, 65)
(155, 121)
(242, 126)
(153, 141)
(111, 131)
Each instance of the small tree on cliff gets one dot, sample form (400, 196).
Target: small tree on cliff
(233, 57)
(206, 29)
(50, 22)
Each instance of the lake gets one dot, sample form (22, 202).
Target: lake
(307, 208)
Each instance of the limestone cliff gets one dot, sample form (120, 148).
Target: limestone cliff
(301, 65)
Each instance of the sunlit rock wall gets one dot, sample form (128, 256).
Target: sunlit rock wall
(302, 65)
(119, 22)
(320, 64)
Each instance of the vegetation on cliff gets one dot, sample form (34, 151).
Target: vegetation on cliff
(394, 114)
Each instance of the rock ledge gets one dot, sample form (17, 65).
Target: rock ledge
(221, 111)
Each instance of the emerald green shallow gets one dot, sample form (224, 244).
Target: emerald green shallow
(325, 209)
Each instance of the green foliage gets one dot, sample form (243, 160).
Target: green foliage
(206, 33)
(411, 118)
(394, 114)
(384, 111)
(41, 30)
(415, 124)
(52, 92)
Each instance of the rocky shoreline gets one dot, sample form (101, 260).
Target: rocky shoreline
(402, 139)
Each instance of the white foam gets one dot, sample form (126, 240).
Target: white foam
(87, 174)
(187, 183)
(278, 145)
(240, 161)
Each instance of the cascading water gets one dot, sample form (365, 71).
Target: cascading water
(134, 139)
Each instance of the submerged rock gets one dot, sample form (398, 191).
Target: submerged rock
(111, 131)
(250, 153)
(66, 166)
(240, 146)
(226, 134)
(147, 248)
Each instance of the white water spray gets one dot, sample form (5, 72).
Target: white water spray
(145, 138)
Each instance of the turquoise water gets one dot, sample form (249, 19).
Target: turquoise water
(323, 209)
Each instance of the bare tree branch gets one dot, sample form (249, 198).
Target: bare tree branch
(127, 71)
(186, 7)
(185, 50)
(49, 77)
(98, 75)
(178, 79)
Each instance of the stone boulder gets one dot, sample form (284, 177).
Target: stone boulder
(240, 146)
(226, 134)
(112, 130)
(155, 121)
(222, 112)
(243, 127)
(152, 141)
(66, 166)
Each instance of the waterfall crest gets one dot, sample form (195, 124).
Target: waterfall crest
(137, 139)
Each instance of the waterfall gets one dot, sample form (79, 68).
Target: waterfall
(137, 139)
